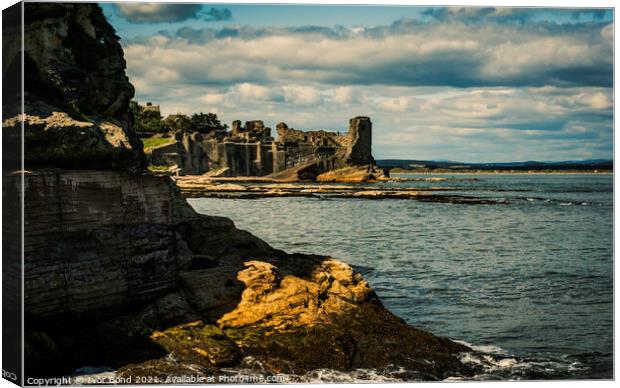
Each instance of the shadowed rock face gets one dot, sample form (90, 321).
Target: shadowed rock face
(76, 91)
(121, 271)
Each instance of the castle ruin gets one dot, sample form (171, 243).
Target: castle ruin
(250, 150)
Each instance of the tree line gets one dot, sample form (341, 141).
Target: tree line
(150, 120)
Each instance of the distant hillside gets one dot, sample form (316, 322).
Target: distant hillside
(569, 165)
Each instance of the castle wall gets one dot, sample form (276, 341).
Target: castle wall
(360, 137)
(167, 155)
(250, 150)
(278, 156)
(244, 159)
(316, 138)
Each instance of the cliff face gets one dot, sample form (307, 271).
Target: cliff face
(77, 93)
(96, 241)
(120, 271)
(100, 242)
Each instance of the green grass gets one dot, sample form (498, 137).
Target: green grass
(158, 168)
(156, 141)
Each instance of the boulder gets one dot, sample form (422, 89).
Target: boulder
(319, 313)
(353, 174)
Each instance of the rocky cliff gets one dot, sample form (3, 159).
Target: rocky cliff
(117, 261)
(76, 90)
(120, 271)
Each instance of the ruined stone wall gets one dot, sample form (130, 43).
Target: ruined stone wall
(247, 159)
(195, 155)
(166, 155)
(278, 155)
(250, 150)
(360, 138)
(193, 158)
(254, 130)
(316, 138)
(299, 155)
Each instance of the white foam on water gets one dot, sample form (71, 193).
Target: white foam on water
(483, 348)
(493, 362)
(334, 376)
(489, 362)
(252, 367)
(93, 375)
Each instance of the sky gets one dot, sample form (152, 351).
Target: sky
(472, 84)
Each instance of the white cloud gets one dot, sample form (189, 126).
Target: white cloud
(399, 104)
(302, 95)
(433, 54)
(213, 98)
(599, 100)
(607, 33)
(250, 91)
(344, 95)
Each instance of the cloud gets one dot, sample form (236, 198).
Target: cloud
(158, 12)
(400, 104)
(170, 13)
(408, 53)
(479, 14)
(608, 33)
(302, 95)
(248, 91)
(513, 15)
(344, 95)
(217, 14)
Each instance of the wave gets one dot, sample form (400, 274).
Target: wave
(488, 362)
(491, 362)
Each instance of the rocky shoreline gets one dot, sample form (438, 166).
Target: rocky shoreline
(196, 187)
(121, 272)
(192, 291)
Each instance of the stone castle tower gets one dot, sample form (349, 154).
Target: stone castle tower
(360, 140)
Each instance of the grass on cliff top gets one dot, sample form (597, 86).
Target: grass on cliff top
(156, 141)
(158, 168)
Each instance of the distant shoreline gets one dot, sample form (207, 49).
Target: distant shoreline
(593, 166)
(502, 172)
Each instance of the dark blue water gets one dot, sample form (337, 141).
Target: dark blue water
(530, 280)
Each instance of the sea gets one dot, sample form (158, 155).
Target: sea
(525, 279)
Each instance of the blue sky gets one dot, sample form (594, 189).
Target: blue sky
(469, 84)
